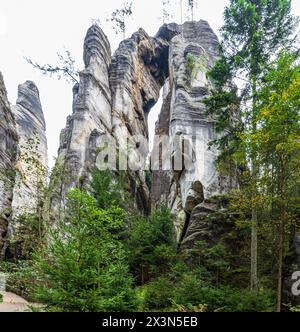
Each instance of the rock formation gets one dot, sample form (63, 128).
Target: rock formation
(138, 72)
(32, 159)
(8, 153)
(112, 101)
(91, 118)
(116, 94)
(23, 157)
(192, 53)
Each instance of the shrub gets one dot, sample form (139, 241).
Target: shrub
(159, 294)
(192, 291)
(21, 278)
(150, 244)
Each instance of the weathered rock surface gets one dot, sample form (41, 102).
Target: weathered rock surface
(113, 98)
(91, 119)
(32, 161)
(8, 153)
(193, 51)
(116, 94)
(138, 72)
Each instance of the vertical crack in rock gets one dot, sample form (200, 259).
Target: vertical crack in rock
(138, 72)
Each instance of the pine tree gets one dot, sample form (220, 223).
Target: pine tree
(84, 268)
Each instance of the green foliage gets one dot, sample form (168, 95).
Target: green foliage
(192, 291)
(20, 278)
(148, 177)
(150, 243)
(158, 294)
(253, 33)
(110, 189)
(213, 258)
(28, 237)
(295, 309)
(194, 64)
(84, 268)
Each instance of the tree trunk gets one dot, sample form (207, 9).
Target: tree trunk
(254, 277)
(281, 236)
(254, 218)
(280, 265)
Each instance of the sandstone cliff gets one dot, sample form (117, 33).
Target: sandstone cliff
(23, 158)
(32, 161)
(8, 153)
(114, 98)
(90, 119)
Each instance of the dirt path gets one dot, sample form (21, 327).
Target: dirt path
(13, 303)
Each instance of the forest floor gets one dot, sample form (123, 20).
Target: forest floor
(13, 303)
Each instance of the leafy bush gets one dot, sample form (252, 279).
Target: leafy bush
(194, 64)
(110, 189)
(295, 309)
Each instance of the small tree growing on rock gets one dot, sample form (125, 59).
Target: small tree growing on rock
(191, 6)
(119, 17)
(66, 67)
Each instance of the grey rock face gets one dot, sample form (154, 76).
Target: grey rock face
(91, 118)
(115, 96)
(8, 153)
(193, 51)
(190, 87)
(32, 161)
(138, 72)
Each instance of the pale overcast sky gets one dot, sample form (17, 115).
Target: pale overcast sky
(39, 28)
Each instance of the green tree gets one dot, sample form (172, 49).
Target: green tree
(111, 189)
(277, 145)
(253, 33)
(151, 245)
(84, 267)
